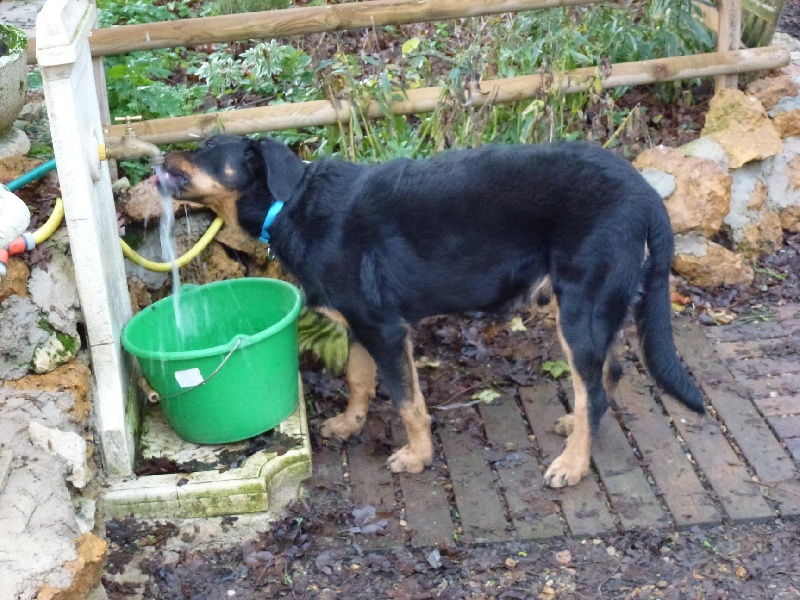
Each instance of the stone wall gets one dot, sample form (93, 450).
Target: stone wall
(738, 184)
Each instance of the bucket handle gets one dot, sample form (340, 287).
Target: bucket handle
(222, 364)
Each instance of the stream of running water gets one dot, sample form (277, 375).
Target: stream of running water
(165, 226)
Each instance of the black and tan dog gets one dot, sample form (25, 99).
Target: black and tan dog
(386, 245)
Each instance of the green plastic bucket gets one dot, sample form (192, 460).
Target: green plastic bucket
(230, 371)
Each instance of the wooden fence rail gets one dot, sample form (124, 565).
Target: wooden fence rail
(724, 64)
(296, 21)
(423, 100)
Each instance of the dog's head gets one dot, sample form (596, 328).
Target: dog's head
(236, 177)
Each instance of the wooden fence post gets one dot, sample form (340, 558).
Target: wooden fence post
(729, 37)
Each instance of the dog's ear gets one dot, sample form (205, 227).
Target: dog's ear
(284, 169)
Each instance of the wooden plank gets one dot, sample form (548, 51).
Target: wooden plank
(328, 473)
(632, 499)
(372, 482)
(786, 384)
(674, 475)
(787, 426)
(794, 447)
(762, 449)
(773, 406)
(584, 505)
(532, 507)
(478, 502)
(747, 332)
(328, 466)
(427, 507)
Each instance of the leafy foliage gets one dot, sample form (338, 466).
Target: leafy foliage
(173, 82)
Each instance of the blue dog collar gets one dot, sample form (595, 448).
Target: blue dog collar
(273, 212)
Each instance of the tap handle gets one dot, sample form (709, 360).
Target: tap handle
(128, 119)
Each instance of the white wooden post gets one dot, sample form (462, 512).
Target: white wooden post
(62, 49)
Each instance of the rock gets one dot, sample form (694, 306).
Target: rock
(741, 126)
(771, 90)
(790, 218)
(59, 348)
(707, 264)
(15, 166)
(14, 217)
(37, 519)
(662, 182)
(213, 265)
(144, 202)
(786, 116)
(186, 233)
(14, 142)
(761, 236)
(236, 239)
(15, 282)
(758, 196)
(140, 295)
(73, 378)
(86, 570)
(702, 193)
(781, 174)
(67, 445)
(53, 289)
(755, 229)
(707, 148)
(21, 333)
(121, 185)
(5, 467)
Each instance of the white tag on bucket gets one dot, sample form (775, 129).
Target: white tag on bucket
(189, 377)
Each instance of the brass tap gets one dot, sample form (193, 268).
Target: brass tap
(131, 146)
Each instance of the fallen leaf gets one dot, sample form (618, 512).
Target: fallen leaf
(516, 324)
(486, 396)
(410, 45)
(564, 557)
(425, 362)
(742, 573)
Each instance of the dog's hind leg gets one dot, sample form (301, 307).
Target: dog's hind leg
(612, 373)
(390, 346)
(361, 380)
(586, 361)
(418, 453)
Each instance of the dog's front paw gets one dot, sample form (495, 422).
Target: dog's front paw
(341, 426)
(406, 460)
(565, 425)
(564, 472)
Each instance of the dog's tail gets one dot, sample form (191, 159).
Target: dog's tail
(653, 316)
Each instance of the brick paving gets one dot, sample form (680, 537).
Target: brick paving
(655, 464)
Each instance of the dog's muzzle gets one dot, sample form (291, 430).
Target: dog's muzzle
(170, 183)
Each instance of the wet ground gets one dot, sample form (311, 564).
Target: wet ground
(350, 540)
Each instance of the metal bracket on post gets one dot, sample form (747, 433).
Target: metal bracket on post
(62, 50)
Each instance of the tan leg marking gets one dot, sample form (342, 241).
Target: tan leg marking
(361, 372)
(418, 453)
(565, 425)
(573, 463)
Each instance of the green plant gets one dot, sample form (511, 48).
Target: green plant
(12, 40)
(555, 369)
(454, 54)
(228, 7)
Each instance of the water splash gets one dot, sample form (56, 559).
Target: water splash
(165, 226)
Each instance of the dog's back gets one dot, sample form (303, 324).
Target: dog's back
(476, 229)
